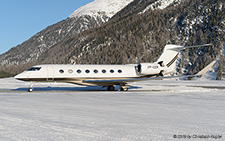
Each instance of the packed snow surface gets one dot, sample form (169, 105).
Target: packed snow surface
(101, 7)
(150, 110)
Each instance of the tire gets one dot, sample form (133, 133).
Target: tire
(123, 89)
(110, 88)
(30, 90)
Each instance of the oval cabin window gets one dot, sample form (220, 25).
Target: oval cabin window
(95, 71)
(79, 71)
(103, 71)
(70, 71)
(119, 71)
(87, 71)
(111, 71)
(61, 71)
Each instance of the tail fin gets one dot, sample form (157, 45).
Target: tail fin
(169, 55)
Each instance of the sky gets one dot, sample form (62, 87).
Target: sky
(21, 19)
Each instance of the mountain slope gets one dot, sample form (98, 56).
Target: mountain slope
(162, 4)
(43, 40)
(30, 50)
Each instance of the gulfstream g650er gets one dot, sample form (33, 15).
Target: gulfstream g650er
(107, 75)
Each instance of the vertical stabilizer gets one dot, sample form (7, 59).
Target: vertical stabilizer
(169, 57)
(171, 53)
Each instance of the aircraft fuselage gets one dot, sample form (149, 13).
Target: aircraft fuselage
(76, 74)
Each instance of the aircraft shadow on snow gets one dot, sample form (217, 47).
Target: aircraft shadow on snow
(87, 88)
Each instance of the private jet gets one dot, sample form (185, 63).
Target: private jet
(109, 75)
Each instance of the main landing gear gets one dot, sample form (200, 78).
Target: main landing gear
(110, 88)
(122, 88)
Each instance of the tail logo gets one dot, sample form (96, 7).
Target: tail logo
(173, 60)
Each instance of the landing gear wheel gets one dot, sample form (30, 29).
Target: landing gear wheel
(110, 88)
(30, 90)
(124, 88)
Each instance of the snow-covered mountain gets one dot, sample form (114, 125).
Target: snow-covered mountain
(88, 16)
(101, 8)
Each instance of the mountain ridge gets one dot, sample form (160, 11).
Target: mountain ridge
(101, 7)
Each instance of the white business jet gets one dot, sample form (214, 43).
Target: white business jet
(108, 75)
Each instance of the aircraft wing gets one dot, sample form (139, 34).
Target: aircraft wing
(125, 81)
(120, 81)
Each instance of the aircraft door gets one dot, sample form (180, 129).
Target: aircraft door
(50, 73)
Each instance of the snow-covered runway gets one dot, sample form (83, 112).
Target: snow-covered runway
(151, 110)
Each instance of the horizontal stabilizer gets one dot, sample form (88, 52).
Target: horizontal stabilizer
(185, 47)
(202, 72)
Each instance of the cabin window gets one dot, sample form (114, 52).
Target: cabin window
(79, 71)
(119, 71)
(103, 71)
(70, 71)
(112, 71)
(61, 71)
(34, 69)
(87, 71)
(95, 71)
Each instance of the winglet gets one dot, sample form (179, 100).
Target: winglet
(206, 68)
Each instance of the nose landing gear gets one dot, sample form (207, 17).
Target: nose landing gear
(30, 89)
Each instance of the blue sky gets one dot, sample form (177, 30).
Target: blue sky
(21, 19)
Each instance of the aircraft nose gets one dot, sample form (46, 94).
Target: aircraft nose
(19, 77)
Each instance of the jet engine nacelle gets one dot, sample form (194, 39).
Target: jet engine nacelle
(150, 69)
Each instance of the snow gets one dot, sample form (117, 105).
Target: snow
(161, 4)
(100, 8)
(150, 110)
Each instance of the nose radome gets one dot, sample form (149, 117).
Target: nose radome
(17, 76)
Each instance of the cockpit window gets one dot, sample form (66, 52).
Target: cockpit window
(34, 69)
